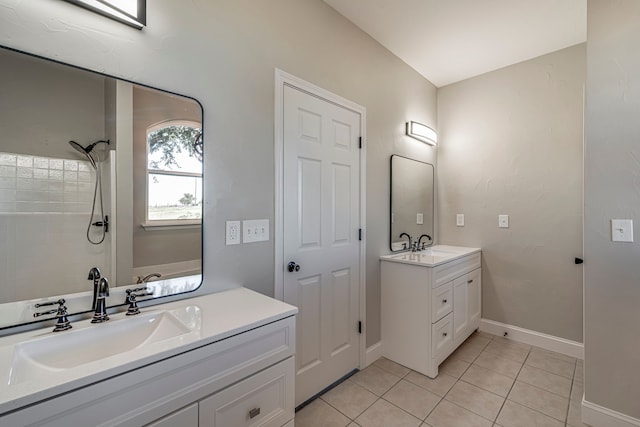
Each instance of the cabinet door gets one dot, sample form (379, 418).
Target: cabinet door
(474, 296)
(460, 306)
(185, 417)
(264, 399)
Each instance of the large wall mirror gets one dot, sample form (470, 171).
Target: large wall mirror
(412, 202)
(94, 172)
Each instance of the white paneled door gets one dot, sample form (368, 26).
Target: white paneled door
(321, 212)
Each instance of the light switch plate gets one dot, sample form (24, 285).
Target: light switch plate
(233, 233)
(255, 230)
(460, 220)
(419, 219)
(503, 221)
(622, 230)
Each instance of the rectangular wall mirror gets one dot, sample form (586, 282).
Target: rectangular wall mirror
(94, 172)
(411, 202)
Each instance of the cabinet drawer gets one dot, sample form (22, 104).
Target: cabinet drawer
(185, 417)
(441, 302)
(447, 272)
(264, 399)
(442, 336)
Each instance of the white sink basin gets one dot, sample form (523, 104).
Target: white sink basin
(432, 256)
(70, 349)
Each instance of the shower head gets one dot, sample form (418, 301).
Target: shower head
(88, 149)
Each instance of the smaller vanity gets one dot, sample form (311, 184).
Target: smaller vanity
(431, 303)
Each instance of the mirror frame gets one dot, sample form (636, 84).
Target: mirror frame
(391, 201)
(151, 301)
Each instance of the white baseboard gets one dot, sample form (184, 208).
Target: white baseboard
(599, 416)
(538, 339)
(373, 353)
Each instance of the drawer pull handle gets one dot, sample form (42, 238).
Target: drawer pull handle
(254, 412)
(470, 281)
(444, 334)
(444, 301)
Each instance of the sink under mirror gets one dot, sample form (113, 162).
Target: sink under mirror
(411, 203)
(51, 354)
(94, 172)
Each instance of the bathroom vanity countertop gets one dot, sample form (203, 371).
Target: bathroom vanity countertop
(432, 256)
(200, 321)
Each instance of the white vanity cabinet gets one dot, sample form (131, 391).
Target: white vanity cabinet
(242, 374)
(431, 303)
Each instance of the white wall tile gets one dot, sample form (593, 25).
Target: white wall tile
(9, 171)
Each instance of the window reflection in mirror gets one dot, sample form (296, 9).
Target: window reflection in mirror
(174, 173)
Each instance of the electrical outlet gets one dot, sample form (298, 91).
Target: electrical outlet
(503, 221)
(419, 218)
(255, 230)
(460, 220)
(622, 230)
(233, 233)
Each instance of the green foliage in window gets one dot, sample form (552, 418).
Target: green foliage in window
(174, 139)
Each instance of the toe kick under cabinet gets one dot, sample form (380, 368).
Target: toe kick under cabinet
(429, 310)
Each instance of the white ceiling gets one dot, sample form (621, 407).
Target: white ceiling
(451, 40)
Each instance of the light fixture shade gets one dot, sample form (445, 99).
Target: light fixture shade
(422, 133)
(130, 12)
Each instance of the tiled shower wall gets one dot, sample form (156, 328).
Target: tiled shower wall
(45, 204)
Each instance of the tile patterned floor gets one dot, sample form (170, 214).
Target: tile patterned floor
(488, 381)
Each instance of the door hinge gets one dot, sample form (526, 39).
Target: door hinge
(359, 327)
(360, 142)
(360, 234)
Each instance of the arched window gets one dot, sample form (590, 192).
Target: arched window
(174, 173)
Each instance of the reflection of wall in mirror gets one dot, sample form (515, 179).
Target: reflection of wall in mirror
(159, 247)
(46, 187)
(412, 192)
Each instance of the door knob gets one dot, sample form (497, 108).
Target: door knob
(292, 266)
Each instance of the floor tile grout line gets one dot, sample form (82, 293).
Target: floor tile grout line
(532, 349)
(511, 388)
(566, 418)
(459, 380)
(348, 417)
(548, 391)
(469, 410)
(404, 410)
(388, 371)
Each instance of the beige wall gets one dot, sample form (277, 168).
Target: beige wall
(511, 143)
(43, 105)
(224, 53)
(612, 150)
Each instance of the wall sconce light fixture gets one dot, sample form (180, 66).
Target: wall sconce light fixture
(422, 133)
(130, 12)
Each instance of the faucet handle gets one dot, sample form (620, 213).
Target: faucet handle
(131, 299)
(130, 291)
(61, 314)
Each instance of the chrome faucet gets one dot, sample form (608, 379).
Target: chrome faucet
(148, 277)
(100, 315)
(94, 274)
(420, 240)
(410, 241)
